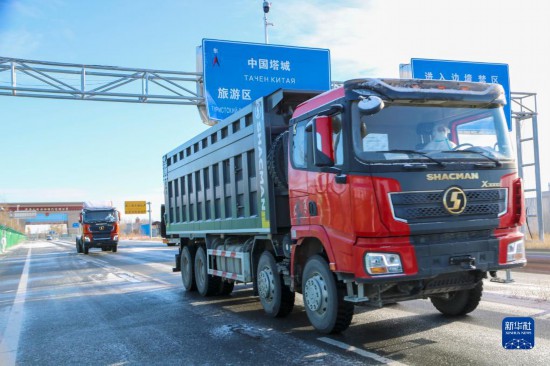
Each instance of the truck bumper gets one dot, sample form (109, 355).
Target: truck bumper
(430, 267)
(428, 257)
(101, 243)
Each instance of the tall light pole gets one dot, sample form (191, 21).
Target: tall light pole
(150, 222)
(267, 6)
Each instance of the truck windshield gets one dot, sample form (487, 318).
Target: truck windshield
(430, 133)
(99, 216)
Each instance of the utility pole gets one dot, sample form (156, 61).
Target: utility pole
(266, 6)
(150, 222)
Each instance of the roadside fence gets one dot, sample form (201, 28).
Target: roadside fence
(9, 237)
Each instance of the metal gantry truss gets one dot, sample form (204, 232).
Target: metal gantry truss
(524, 114)
(42, 79)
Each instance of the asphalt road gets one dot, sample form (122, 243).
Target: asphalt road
(58, 307)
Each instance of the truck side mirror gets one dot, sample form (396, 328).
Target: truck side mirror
(80, 218)
(370, 105)
(118, 216)
(323, 151)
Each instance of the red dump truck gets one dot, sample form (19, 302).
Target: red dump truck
(379, 191)
(99, 227)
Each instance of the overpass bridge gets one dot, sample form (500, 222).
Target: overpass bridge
(47, 213)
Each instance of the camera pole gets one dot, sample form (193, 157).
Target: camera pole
(266, 6)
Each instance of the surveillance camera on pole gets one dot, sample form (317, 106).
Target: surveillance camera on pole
(266, 6)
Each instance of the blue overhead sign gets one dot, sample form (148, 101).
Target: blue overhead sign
(237, 73)
(465, 71)
(46, 218)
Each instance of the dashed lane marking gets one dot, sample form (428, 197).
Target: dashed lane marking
(10, 339)
(361, 352)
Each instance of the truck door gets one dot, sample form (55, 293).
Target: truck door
(329, 202)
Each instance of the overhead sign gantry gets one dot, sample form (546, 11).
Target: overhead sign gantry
(57, 80)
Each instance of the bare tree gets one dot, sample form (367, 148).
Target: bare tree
(8, 221)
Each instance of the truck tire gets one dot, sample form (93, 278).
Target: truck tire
(324, 298)
(78, 247)
(187, 260)
(459, 302)
(114, 248)
(207, 285)
(277, 161)
(226, 288)
(85, 248)
(276, 298)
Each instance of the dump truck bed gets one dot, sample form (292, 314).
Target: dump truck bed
(218, 182)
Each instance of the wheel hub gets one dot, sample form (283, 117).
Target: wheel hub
(315, 293)
(265, 284)
(201, 280)
(185, 265)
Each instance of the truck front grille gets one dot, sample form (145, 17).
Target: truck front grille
(422, 206)
(101, 228)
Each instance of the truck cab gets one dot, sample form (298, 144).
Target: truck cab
(407, 189)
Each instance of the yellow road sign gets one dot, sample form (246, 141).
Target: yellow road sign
(134, 207)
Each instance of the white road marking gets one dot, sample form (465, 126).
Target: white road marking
(545, 315)
(361, 352)
(10, 339)
(122, 274)
(127, 276)
(496, 307)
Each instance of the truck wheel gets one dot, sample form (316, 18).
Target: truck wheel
(276, 298)
(207, 285)
(78, 247)
(459, 302)
(114, 248)
(226, 287)
(324, 298)
(187, 259)
(103, 249)
(86, 249)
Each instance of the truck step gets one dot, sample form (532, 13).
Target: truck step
(355, 298)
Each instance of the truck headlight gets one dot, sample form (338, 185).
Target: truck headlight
(115, 238)
(87, 239)
(383, 263)
(515, 251)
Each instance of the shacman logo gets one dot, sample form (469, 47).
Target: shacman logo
(102, 228)
(452, 176)
(454, 200)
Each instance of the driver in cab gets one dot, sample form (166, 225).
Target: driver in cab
(440, 140)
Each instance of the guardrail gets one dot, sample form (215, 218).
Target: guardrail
(9, 237)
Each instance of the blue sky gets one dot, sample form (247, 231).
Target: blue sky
(53, 150)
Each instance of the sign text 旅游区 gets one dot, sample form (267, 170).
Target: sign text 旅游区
(134, 207)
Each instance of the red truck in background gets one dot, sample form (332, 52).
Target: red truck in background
(376, 192)
(99, 227)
